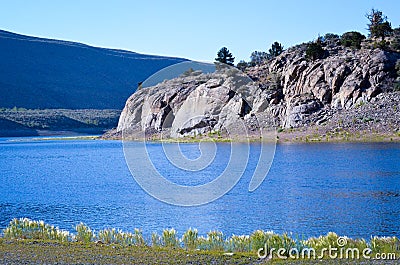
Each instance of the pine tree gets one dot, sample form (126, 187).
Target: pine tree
(276, 49)
(378, 27)
(257, 58)
(242, 65)
(224, 56)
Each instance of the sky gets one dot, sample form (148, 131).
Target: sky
(190, 29)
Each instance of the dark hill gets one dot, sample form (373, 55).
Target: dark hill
(41, 73)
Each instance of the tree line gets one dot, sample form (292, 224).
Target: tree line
(378, 26)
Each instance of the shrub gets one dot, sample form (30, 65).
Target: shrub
(384, 244)
(331, 38)
(397, 82)
(138, 237)
(190, 238)
(169, 238)
(274, 81)
(384, 45)
(84, 233)
(396, 86)
(314, 51)
(257, 58)
(188, 72)
(395, 43)
(213, 241)
(352, 39)
(25, 228)
(239, 243)
(155, 239)
(242, 65)
(113, 236)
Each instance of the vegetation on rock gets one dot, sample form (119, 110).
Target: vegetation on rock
(397, 83)
(276, 49)
(379, 26)
(315, 51)
(352, 39)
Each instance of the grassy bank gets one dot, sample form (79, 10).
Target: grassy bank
(26, 122)
(315, 134)
(31, 242)
(48, 252)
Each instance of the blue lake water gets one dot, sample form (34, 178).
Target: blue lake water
(311, 189)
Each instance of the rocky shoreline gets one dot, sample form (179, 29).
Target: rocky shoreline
(374, 121)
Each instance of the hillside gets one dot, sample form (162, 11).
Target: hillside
(24, 122)
(39, 73)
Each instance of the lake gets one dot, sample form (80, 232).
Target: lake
(352, 189)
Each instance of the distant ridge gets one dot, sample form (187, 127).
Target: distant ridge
(39, 73)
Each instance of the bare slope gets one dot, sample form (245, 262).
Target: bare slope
(41, 73)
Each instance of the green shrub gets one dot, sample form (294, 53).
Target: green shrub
(242, 65)
(190, 238)
(155, 239)
(314, 51)
(395, 42)
(84, 233)
(138, 237)
(384, 244)
(257, 57)
(396, 86)
(258, 239)
(169, 238)
(319, 243)
(113, 236)
(397, 67)
(213, 241)
(382, 44)
(352, 39)
(331, 36)
(239, 243)
(25, 228)
(331, 39)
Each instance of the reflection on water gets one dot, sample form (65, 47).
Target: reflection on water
(352, 189)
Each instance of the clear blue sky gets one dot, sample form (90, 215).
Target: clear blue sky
(188, 28)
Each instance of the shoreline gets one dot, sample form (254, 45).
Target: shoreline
(281, 138)
(304, 137)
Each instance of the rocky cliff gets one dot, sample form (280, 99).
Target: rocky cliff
(342, 80)
(288, 91)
